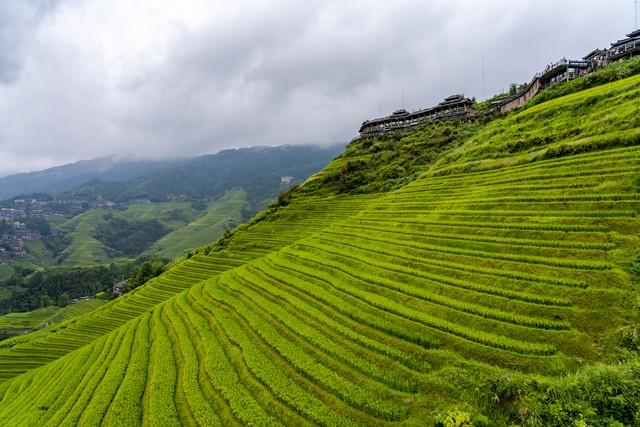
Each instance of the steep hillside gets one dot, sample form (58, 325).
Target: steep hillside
(465, 292)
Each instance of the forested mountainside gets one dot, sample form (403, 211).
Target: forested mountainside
(66, 177)
(257, 170)
(490, 281)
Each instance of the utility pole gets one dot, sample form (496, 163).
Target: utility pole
(635, 16)
(484, 95)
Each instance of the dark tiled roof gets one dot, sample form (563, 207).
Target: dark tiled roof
(635, 33)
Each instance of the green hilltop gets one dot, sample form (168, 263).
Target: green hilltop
(456, 274)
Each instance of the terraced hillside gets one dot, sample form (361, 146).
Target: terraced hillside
(506, 260)
(17, 323)
(21, 354)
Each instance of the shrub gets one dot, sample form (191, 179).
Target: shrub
(455, 419)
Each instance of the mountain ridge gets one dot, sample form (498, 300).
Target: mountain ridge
(113, 173)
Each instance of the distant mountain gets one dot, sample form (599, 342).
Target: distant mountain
(69, 176)
(256, 170)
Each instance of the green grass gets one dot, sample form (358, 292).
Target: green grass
(221, 214)
(491, 280)
(37, 255)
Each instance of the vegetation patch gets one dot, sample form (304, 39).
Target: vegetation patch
(129, 237)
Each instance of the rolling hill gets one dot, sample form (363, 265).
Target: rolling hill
(490, 282)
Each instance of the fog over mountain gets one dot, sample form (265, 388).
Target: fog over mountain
(158, 79)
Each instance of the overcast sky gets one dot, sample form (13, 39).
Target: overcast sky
(154, 79)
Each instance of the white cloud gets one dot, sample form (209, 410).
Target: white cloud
(162, 78)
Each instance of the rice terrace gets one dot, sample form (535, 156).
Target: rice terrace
(474, 263)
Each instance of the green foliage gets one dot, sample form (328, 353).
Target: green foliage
(381, 164)
(256, 170)
(484, 105)
(455, 419)
(144, 272)
(220, 214)
(62, 284)
(284, 198)
(598, 395)
(63, 300)
(629, 338)
(130, 238)
(635, 268)
(40, 225)
(17, 323)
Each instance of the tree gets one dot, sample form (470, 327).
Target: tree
(64, 300)
(144, 272)
(45, 301)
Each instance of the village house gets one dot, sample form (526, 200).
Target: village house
(119, 288)
(286, 180)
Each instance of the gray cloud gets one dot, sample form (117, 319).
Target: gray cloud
(17, 19)
(160, 79)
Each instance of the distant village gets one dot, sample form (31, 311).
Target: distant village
(17, 214)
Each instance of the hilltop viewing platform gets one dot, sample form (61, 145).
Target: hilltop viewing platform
(454, 106)
(458, 106)
(565, 70)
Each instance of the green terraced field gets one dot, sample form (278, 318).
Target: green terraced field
(506, 261)
(16, 323)
(84, 249)
(208, 227)
(21, 322)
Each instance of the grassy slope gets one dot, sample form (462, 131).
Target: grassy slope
(37, 256)
(86, 250)
(222, 213)
(510, 254)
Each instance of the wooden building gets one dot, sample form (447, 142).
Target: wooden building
(625, 48)
(561, 71)
(455, 106)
